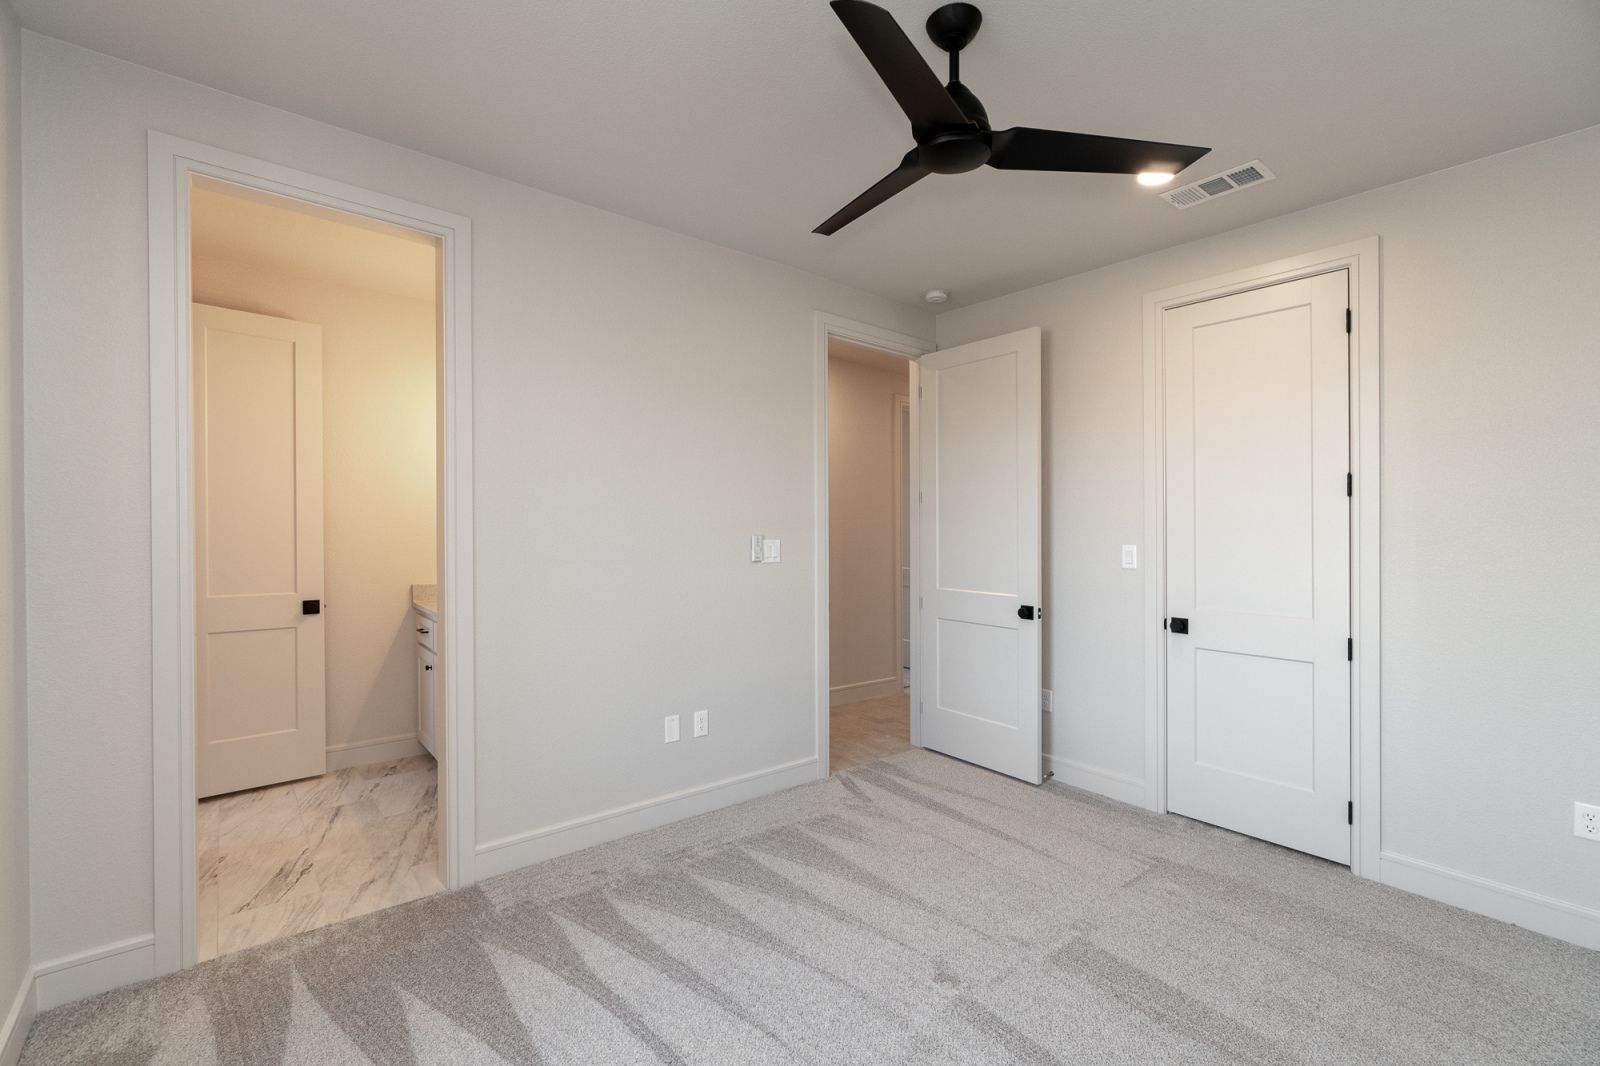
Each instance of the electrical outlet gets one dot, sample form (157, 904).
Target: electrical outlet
(702, 723)
(672, 728)
(1046, 698)
(1586, 821)
(755, 548)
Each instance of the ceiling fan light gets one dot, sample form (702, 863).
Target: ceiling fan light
(1154, 177)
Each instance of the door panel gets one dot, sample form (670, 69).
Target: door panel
(1258, 561)
(259, 692)
(980, 468)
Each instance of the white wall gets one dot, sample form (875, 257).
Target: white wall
(1491, 495)
(14, 952)
(379, 357)
(863, 583)
(644, 402)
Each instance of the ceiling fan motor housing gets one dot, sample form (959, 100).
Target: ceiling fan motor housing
(954, 152)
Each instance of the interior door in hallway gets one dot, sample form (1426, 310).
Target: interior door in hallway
(259, 673)
(979, 572)
(1258, 563)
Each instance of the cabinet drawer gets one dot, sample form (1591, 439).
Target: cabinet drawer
(427, 630)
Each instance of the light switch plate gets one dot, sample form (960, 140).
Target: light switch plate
(771, 550)
(1130, 557)
(672, 728)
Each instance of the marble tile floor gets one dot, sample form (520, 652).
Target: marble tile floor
(291, 857)
(872, 729)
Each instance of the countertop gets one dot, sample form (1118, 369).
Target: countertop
(425, 599)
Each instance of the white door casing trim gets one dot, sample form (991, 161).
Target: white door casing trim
(18, 1019)
(173, 162)
(1361, 259)
(826, 326)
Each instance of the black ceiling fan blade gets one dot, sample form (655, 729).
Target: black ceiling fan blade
(916, 88)
(1025, 148)
(907, 174)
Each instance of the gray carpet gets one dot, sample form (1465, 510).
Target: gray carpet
(914, 910)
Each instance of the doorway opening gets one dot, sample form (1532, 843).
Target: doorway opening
(1209, 587)
(316, 487)
(869, 552)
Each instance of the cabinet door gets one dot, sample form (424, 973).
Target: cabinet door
(426, 684)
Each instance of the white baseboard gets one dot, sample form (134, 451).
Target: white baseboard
(857, 691)
(525, 849)
(14, 1030)
(1571, 922)
(1108, 783)
(88, 973)
(364, 752)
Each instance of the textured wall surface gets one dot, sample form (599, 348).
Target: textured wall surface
(1491, 368)
(862, 582)
(643, 403)
(14, 954)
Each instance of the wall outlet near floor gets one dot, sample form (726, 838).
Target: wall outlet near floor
(672, 728)
(702, 723)
(1586, 821)
(1046, 699)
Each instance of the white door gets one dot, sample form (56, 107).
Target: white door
(260, 705)
(979, 572)
(1258, 563)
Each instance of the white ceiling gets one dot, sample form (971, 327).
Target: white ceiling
(246, 226)
(748, 123)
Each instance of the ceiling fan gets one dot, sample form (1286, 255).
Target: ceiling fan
(951, 128)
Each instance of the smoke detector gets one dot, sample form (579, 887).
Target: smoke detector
(1198, 192)
(936, 296)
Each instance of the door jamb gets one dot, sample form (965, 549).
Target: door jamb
(1361, 259)
(173, 162)
(900, 448)
(830, 325)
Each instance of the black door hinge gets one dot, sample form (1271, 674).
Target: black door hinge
(1347, 320)
(1349, 649)
(1350, 813)
(1349, 484)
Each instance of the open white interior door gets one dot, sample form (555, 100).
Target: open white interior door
(979, 573)
(260, 705)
